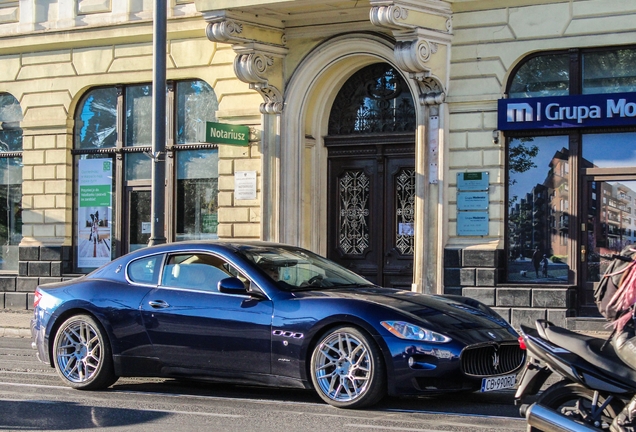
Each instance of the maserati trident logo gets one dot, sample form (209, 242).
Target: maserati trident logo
(495, 359)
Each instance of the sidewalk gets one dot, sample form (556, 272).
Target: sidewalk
(15, 323)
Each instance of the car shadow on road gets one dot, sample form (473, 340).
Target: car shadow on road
(498, 403)
(60, 415)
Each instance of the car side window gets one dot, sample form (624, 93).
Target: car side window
(194, 271)
(145, 270)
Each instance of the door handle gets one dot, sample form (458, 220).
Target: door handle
(583, 251)
(158, 304)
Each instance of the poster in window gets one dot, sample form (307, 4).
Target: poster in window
(94, 212)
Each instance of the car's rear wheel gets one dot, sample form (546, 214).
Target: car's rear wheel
(347, 369)
(82, 354)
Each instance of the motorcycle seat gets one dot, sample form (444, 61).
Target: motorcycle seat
(589, 349)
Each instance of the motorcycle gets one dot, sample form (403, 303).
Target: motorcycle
(595, 383)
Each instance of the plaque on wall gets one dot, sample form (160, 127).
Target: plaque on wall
(472, 223)
(472, 181)
(472, 201)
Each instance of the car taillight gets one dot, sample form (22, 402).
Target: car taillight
(522, 343)
(36, 298)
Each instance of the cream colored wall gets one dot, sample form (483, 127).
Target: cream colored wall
(487, 44)
(49, 73)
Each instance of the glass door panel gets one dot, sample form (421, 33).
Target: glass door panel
(610, 226)
(139, 221)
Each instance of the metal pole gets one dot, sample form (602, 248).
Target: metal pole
(157, 233)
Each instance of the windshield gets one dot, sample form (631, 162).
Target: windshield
(297, 269)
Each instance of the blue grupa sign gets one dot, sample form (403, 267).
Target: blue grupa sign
(598, 110)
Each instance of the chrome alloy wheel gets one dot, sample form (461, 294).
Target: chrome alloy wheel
(78, 351)
(343, 367)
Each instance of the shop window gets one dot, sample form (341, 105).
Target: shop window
(539, 161)
(113, 167)
(532, 178)
(10, 181)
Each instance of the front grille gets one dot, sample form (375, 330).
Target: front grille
(492, 359)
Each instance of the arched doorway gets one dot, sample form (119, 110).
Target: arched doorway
(371, 176)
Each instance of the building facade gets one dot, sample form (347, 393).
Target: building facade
(480, 148)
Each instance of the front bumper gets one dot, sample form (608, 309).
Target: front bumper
(419, 368)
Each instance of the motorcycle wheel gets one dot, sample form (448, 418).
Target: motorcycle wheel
(577, 402)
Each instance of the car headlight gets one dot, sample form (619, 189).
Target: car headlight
(405, 330)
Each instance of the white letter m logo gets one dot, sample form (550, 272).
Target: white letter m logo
(520, 112)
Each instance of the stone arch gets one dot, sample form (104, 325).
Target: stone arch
(303, 157)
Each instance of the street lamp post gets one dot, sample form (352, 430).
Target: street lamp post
(157, 233)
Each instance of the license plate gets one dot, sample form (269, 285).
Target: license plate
(498, 383)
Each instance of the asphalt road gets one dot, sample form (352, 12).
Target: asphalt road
(32, 397)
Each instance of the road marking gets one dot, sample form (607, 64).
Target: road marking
(361, 426)
(486, 416)
(277, 402)
(36, 385)
(205, 414)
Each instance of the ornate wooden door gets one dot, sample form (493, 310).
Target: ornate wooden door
(371, 201)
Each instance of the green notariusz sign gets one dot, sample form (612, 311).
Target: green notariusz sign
(221, 133)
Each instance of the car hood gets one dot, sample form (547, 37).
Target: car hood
(448, 314)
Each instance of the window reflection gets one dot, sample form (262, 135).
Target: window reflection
(609, 71)
(139, 115)
(196, 104)
(539, 209)
(95, 124)
(544, 75)
(138, 166)
(197, 192)
(611, 208)
(10, 181)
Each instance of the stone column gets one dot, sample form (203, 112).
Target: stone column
(423, 36)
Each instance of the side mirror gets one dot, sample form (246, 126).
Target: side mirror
(232, 285)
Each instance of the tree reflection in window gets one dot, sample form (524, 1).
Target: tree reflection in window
(196, 104)
(538, 209)
(375, 99)
(544, 75)
(96, 125)
(609, 71)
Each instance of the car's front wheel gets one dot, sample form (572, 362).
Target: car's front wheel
(347, 369)
(82, 354)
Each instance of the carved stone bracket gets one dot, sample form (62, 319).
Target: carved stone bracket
(412, 55)
(225, 31)
(257, 49)
(390, 16)
(420, 28)
(251, 65)
(431, 91)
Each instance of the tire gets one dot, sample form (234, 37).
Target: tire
(347, 369)
(575, 401)
(82, 355)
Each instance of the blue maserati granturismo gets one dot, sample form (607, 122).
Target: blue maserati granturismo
(267, 314)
